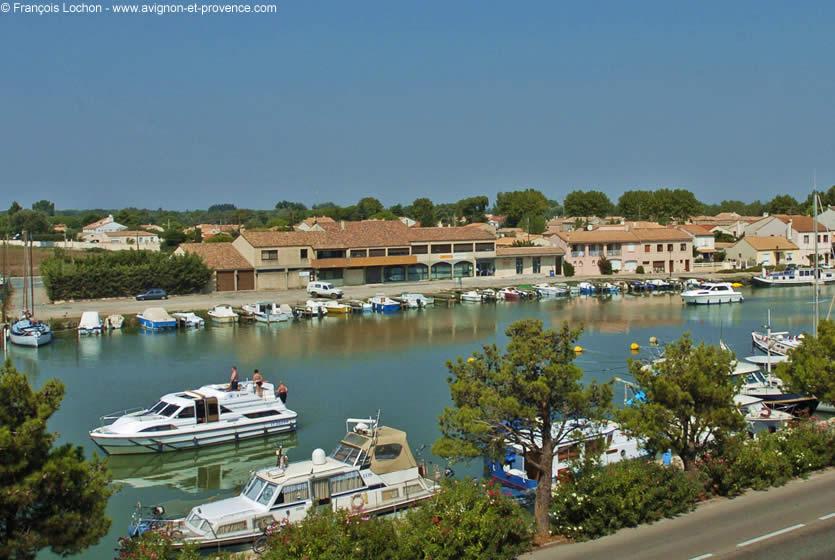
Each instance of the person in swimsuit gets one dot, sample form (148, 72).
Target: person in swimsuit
(258, 379)
(233, 380)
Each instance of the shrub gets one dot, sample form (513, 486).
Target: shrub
(605, 266)
(601, 500)
(567, 268)
(639, 269)
(156, 546)
(467, 520)
(122, 273)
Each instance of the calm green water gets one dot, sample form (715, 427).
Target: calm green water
(349, 366)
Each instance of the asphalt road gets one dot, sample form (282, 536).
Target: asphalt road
(793, 522)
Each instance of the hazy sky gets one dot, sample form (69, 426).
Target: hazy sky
(400, 99)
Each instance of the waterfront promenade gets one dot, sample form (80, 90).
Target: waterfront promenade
(795, 521)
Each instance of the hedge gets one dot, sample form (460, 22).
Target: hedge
(122, 273)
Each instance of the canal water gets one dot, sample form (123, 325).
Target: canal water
(352, 366)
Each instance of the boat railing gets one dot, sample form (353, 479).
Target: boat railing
(113, 416)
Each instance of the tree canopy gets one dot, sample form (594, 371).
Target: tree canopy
(423, 210)
(689, 400)
(29, 220)
(659, 205)
(587, 203)
(783, 204)
(531, 395)
(44, 206)
(812, 365)
(520, 207)
(50, 497)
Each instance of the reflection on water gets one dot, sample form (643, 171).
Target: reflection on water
(224, 467)
(341, 367)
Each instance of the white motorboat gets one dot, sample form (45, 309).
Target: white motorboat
(383, 303)
(759, 417)
(28, 332)
(548, 290)
(372, 471)
(90, 323)
(711, 293)
(473, 296)
(189, 320)
(269, 312)
(509, 294)
(414, 300)
(156, 319)
(794, 276)
(194, 419)
(604, 441)
(223, 314)
(780, 343)
(114, 321)
(316, 307)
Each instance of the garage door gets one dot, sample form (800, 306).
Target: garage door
(225, 281)
(246, 279)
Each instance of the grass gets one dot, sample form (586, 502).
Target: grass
(14, 259)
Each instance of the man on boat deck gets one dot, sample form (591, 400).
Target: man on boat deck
(282, 392)
(233, 380)
(258, 379)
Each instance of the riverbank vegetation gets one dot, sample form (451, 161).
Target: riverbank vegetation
(50, 496)
(122, 273)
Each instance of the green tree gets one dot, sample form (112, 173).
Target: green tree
(423, 210)
(223, 207)
(689, 400)
(605, 265)
(783, 204)
(517, 206)
(447, 214)
(554, 209)
(220, 238)
(531, 396)
(172, 236)
(812, 365)
(291, 212)
(50, 497)
(636, 205)
(29, 220)
(44, 206)
(678, 204)
(587, 203)
(367, 207)
(473, 208)
(14, 208)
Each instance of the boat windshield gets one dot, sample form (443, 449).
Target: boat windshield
(345, 453)
(259, 490)
(157, 407)
(169, 410)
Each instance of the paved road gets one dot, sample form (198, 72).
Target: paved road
(793, 522)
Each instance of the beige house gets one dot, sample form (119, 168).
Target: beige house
(753, 250)
(515, 261)
(230, 270)
(800, 230)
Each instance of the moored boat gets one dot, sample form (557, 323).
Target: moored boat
(383, 303)
(268, 312)
(223, 314)
(712, 293)
(780, 343)
(114, 321)
(90, 323)
(156, 319)
(509, 294)
(28, 332)
(416, 300)
(189, 320)
(549, 290)
(335, 307)
(794, 276)
(197, 418)
(472, 296)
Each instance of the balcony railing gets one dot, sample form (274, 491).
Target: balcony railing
(613, 252)
(578, 254)
(595, 253)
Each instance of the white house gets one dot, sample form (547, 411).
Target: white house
(103, 226)
(800, 230)
(704, 243)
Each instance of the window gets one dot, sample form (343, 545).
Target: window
(267, 494)
(398, 251)
(253, 489)
(463, 248)
(659, 248)
(417, 272)
(346, 482)
(169, 410)
(231, 527)
(462, 269)
(157, 407)
(330, 274)
(485, 247)
(293, 493)
(520, 265)
(345, 453)
(445, 248)
(537, 264)
(683, 247)
(163, 428)
(647, 249)
(358, 253)
(377, 253)
(270, 255)
(806, 239)
(391, 494)
(441, 271)
(262, 413)
(669, 247)
(302, 253)
(330, 254)
(420, 249)
(630, 247)
(394, 273)
(187, 412)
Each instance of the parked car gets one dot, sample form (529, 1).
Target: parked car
(324, 289)
(153, 293)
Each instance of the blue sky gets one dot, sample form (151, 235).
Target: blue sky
(338, 100)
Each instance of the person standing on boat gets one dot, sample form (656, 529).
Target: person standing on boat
(282, 392)
(233, 379)
(258, 379)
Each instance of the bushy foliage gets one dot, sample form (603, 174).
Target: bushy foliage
(605, 266)
(639, 269)
(467, 520)
(122, 273)
(567, 269)
(158, 546)
(601, 500)
(812, 367)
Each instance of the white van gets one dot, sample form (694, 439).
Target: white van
(323, 289)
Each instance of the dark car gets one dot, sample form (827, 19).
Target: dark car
(153, 293)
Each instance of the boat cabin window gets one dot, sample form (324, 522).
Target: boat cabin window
(207, 410)
(346, 482)
(187, 412)
(157, 407)
(387, 452)
(253, 489)
(267, 494)
(262, 413)
(345, 453)
(293, 493)
(169, 410)
(163, 428)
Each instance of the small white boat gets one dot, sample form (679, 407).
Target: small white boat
(658, 284)
(473, 296)
(316, 307)
(711, 293)
(194, 419)
(509, 294)
(372, 471)
(28, 332)
(90, 323)
(269, 312)
(780, 343)
(587, 288)
(223, 314)
(488, 295)
(414, 300)
(384, 303)
(156, 318)
(189, 320)
(759, 417)
(114, 321)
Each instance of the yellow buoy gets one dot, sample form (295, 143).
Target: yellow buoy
(634, 346)
(578, 348)
(653, 340)
(736, 285)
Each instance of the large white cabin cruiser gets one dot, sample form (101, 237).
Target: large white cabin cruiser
(795, 276)
(193, 419)
(269, 312)
(710, 293)
(371, 471)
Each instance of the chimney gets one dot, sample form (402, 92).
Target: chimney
(789, 229)
(342, 225)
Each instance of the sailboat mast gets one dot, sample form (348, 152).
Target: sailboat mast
(31, 279)
(817, 257)
(25, 293)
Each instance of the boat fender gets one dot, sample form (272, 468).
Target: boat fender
(448, 472)
(357, 503)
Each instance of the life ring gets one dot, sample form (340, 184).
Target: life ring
(357, 503)
(765, 412)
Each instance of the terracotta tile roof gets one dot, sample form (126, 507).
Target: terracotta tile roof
(598, 236)
(804, 224)
(98, 223)
(695, 229)
(218, 256)
(772, 243)
(450, 234)
(528, 251)
(283, 238)
(660, 234)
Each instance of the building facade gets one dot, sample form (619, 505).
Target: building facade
(752, 251)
